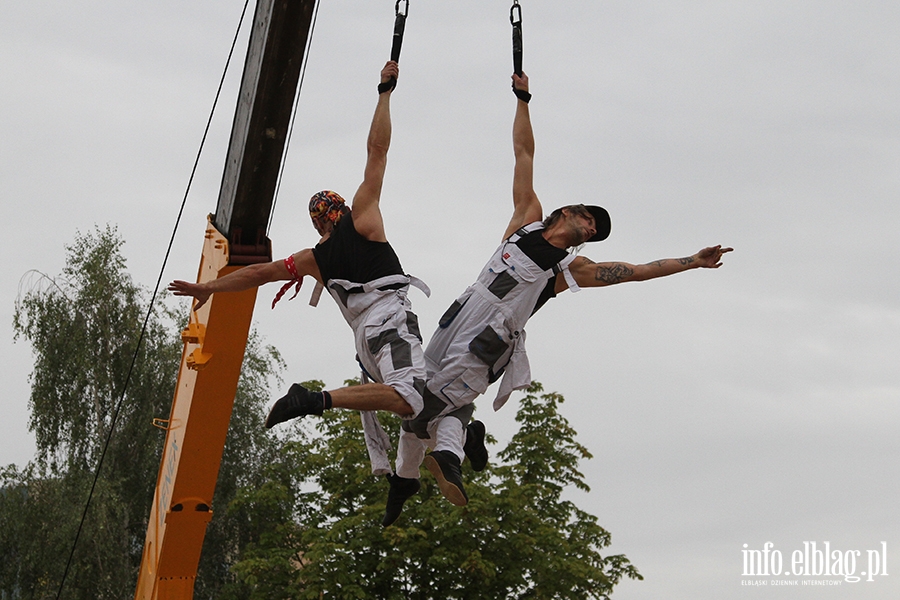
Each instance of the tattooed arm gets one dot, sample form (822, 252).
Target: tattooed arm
(587, 273)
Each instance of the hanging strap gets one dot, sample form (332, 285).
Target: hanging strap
(316, 294)
(399, 27)
(515, 17)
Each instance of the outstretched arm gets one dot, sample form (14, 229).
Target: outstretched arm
(526, 205)
(366, 211)
(248, 277)
(587, 273)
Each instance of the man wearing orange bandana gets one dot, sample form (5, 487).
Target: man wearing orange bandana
(359, 268)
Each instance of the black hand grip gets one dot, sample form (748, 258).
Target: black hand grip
(397, 42)
(399, 27)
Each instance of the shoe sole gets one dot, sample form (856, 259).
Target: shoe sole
(271, 419)
(270, 422)
(448, 489)
(476, 451)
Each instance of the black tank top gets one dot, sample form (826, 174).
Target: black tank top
(348, 255)
(545, 255)
(542, 252)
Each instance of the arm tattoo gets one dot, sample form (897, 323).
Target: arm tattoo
(613, 274)
(681, 261)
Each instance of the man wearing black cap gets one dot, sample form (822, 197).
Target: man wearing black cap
(480, 339)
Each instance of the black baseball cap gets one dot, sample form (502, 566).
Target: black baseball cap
(601, 221)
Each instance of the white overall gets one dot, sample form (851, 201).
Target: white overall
(388, 347)
(480, 339)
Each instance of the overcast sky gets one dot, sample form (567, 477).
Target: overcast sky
(757, 403)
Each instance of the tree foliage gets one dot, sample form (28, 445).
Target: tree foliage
(297, 514)
(320, 536)
(84, 326)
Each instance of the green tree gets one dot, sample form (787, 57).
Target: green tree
(296, 515)
(517, 538)
(84, 326)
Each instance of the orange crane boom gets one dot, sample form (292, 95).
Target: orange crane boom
(216, 337)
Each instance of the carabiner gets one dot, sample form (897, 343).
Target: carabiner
(515, 13)
(405, 8)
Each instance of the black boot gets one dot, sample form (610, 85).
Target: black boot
(298, 402)
(444, 465)
(402, 489)
(474, 447)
